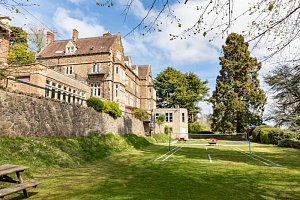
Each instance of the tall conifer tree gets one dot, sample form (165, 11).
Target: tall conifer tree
(238, 102)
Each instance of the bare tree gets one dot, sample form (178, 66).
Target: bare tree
(37, 37)
(275, 24)
(13, 5)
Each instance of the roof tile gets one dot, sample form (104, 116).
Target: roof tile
(84, 46)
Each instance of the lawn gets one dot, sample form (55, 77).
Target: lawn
(230, 173)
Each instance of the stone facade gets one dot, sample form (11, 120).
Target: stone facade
(45, 82)
(176, 119)
(100, 61)
(22, 115)
(4, 40)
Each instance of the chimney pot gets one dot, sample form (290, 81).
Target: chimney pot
(75, 35)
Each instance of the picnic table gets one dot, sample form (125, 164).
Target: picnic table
(5, 176)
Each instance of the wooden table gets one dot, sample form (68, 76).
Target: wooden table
(5, 171)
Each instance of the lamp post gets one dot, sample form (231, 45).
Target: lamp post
(169, 139)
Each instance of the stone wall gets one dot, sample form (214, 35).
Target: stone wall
(31, 116)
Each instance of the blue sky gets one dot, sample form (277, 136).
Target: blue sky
(195, 54)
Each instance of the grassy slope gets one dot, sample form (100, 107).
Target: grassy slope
(133, 174)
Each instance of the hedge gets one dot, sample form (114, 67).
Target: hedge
(289, 143)
(112, 108)
(271, 135)
(109, 107)
(95, 103)
(140, 114)
(197, 127)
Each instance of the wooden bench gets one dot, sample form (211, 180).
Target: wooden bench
(17, 188)
(212, 143)
(19, 185)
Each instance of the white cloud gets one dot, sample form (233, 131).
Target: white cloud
(66, 23)
(76, 1)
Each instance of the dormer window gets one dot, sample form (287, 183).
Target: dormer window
(70, 49)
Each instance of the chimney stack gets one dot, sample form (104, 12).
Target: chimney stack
(50, 37)
(107, 34)
(75, 35)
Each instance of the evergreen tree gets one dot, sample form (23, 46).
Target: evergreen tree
(238, 102)
(176, 89)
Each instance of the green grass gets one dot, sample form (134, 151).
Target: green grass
(188, 174)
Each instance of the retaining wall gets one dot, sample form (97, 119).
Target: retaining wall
(22, 115)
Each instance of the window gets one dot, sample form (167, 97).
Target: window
(69, 98)
(71, 49)
(47, 92)
(58, 94)
(95, 89)
(96, 68)
(53, 93)
(182, 117)
(117, 88)
(69, 70)
(117, 69)
(169, 117)
(64, 96)
(156, 115)
(24, 79)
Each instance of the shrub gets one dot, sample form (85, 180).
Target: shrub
(167, 130)
(290, 143)
(256, 133)
(270, 135)
(95, 103)
(112, 108)
(140, 114)
(197, 127)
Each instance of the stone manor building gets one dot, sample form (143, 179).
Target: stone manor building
(75, 69)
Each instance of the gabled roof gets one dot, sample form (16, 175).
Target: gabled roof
(4, 27)
(84, 46)
(143, 70)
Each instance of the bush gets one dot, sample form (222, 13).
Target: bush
(167, 130)
(112, 108)
(197, 127)
(256, 133)
(270, 135)
(140, 114)
(289, 143)
(95, 103)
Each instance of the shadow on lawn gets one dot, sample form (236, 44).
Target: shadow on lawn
(135, 175)
(287, 158)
